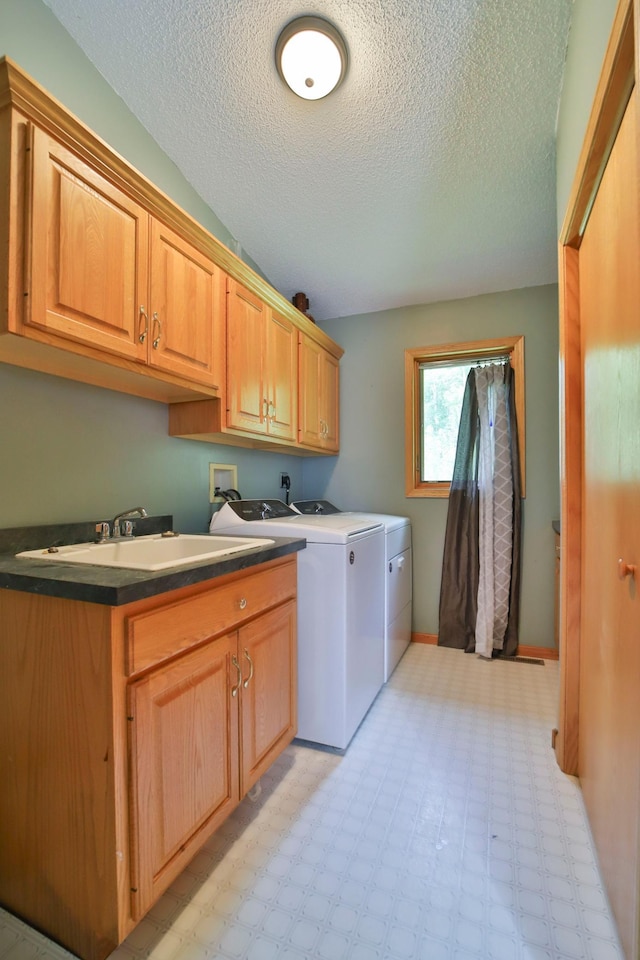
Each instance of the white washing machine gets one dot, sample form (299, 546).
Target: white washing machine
(340, 611)
(398, 566)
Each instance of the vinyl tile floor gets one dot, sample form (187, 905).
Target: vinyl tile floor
(446, 832)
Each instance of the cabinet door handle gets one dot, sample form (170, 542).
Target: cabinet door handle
(234, 690)
(156, 322)
(142, 336)
(242, 603)
(245, 683)
(265, 408)
(272, 411)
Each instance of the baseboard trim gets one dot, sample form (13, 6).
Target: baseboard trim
(424, 637)
(539, 653)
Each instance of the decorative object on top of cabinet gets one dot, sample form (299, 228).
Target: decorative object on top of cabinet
(104, 312)
(301, 303)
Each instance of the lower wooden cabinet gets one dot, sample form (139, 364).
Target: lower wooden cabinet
(266, 653)
(184, 764)
(203, 729)
(127, 735)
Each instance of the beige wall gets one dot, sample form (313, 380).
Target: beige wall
(369, 474)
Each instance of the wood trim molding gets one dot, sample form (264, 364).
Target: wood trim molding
(424, 637)
(539, 653)
(566, 743)
(20, 91)
(612, 94)
(470, 351)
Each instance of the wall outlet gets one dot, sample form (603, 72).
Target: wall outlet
(285, 481)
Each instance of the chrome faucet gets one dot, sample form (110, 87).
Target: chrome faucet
(126, 516)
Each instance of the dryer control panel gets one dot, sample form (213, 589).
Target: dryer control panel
(312, 507)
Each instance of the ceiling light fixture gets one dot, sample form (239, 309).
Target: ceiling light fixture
(311, 57)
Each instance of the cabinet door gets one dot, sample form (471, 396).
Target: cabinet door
(247, 401)
(309, 431)
(267, 651)
(183, 762)
(185, 306)
(282, 377)
(318, 396)
(87, 274)
(329, 401)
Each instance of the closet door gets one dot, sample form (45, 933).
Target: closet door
(609, 702)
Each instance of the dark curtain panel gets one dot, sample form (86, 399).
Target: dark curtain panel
(460, 564)
(459, 587)
(511, 636)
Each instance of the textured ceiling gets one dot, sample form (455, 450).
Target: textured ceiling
(428, 175)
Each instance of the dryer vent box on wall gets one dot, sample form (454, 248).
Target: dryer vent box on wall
(222, 476)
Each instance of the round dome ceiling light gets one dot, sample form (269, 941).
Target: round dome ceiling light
(311, 57)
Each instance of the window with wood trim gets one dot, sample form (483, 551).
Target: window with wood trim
(434, 383)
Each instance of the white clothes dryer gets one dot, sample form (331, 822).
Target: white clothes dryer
(398, 573)
(340, 611)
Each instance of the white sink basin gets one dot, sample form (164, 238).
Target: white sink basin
(154, 552)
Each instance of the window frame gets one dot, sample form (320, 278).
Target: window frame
(475, 350)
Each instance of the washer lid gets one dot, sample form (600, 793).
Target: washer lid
(279, 520)
(324, 507)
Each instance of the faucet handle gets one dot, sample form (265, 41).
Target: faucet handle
(126, 528)
(102, 529)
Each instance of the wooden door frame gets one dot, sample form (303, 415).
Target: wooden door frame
(617, 79)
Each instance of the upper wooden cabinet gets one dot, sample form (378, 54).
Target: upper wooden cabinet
(103, 279)
(185, 303)
(87, 255)
(262, 366)
(104, 273)
(318, 396)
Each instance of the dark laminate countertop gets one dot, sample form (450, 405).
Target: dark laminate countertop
(111, 585)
